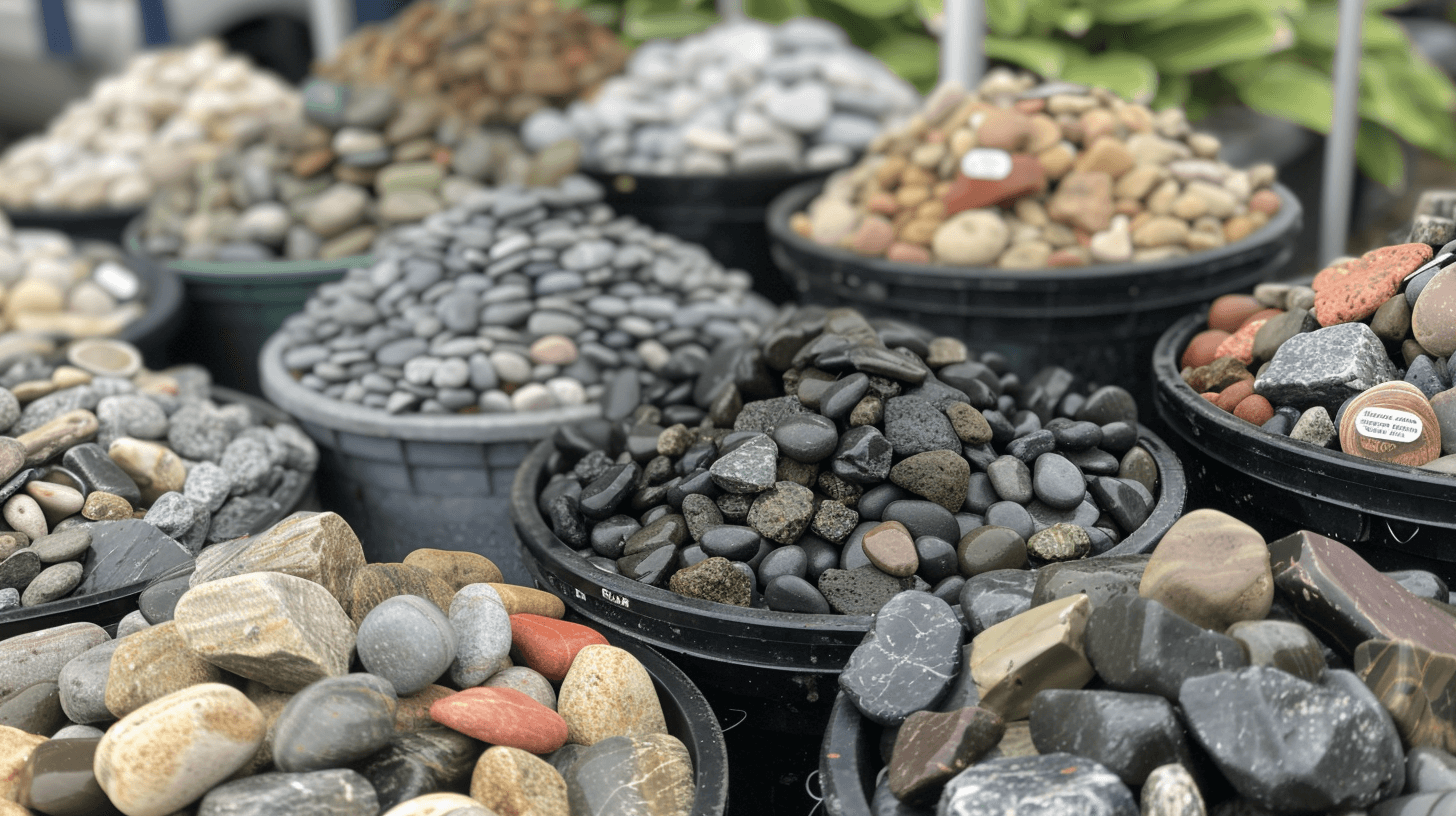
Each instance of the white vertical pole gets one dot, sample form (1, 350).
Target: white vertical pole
(329, 22)
(730, 10)
(962, 52)
(1339, 172)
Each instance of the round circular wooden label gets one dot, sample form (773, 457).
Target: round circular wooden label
(1392, 422)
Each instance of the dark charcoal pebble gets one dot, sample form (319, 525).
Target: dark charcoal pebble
(128, 551)
(601, 498)
(1138, 645)
(1075, 786)
(1077, 436)
(1027, 448)
(990, 548)
(790, 593)
(609, 536)
(860, 591)
(842, 395)
(1128, 502)
(915, 426)
(992, 597)
(1100, 579)
(335, 792)
(874, 501)
(907, 661)
(864, 456)
(1130, 734)
(937, 559)
(806, 438)
(787, 560)
(923, 518)
(1109, 404)
(731, 542)
(1058, 482)
(1011, 479)
(1012, 516)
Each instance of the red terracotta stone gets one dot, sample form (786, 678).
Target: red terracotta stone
(1201, 349)
(965, 193)
(549, 645)
(1232, 311)
(1230, 397)
(1240, 344)
(1262, 314)
(1255, 409)
(1353, 291)
(907, 253)
(502, 716)
(1065, 259)
(1211, 396)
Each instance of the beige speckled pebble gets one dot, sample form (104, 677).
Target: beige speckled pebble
(168, 753)
(15, 748)
(608, 693)
(511, 782)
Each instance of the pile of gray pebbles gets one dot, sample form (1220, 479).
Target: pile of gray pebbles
(519, 300)
(114, 475)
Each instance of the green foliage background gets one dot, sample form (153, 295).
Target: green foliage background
(1274, 56)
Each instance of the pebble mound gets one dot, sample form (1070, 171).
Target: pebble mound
(326, 186)
(498, 61)
(240, 700)
(52, 287)
(1219, 674)
(112, 475)
(1021, 175)
(142, 128)
(741, 98)
(1359, 362)
(839, 461)
(519, 300)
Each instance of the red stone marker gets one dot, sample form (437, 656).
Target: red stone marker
(1391, 422)
(1354, 290)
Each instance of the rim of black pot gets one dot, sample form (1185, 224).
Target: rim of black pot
(844, 760)
(654, 183)
(561, 571)
(1380, 488)
(796, 199)
(84, 608)
(60, 219)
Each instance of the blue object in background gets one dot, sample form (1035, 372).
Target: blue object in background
(372, 11)
(57, 28)
(154, 23)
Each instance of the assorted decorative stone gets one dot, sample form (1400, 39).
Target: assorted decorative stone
(773, 467)
(741, 98)
(520, 300)
(138, 129)
(201, 730)
(1344, 365)
(493, 61)
(329, 183)
(55, 288)
(1018, 175)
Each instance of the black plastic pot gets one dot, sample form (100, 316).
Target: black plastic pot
(849, 760)
(691, 720)
(232, 308)
(723, 214)
(1396, 517)
(154, 331)
(106, 609)
(100, 225)
(1099, 321)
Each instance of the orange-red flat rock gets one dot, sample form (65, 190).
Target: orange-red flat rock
(1353, 291)
(549, 645)
(966, 193)
(502, 716)
(1201, 348)
(1240, 344)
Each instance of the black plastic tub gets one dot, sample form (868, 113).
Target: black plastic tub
(100, 225)
(849, 761)
(154, 332)
(1099, 321)
(1396, 517)
(723, 214)
(691, 720)
(232, 308)
(106, 609)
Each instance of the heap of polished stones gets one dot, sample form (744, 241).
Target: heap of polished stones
(839, 461)
(51, 287)
(741, 98)
(1219, 674)
(520, 300)
(231, 692)
(495, 61)
(327, 186)
(1020, 175)
(142, 128)
(1359, 361)
(111, 475)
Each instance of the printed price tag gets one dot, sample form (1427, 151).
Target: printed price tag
(1389, 424)
(986, 164)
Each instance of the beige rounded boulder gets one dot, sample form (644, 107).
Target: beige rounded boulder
(168, 753)
(608, 693)
(1212, 569)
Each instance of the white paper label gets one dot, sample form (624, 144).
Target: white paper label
(1388, 423)
(986, 164)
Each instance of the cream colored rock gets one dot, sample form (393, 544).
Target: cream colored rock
(280, 630)
(439, 804)
(511, 782)
(65, 431)
(15, 748)
(168, 753)
(970, 238)
(56, 501)
(151, 664)
(608, 693)
(154, 468)
(1039, 649)
(24, 515)
(319, 547)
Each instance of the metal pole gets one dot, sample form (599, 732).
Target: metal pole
(1339, 172)
(730, 10)
(329, 23)
(962, 55)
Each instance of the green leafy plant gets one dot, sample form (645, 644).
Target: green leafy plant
(1274, 56)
